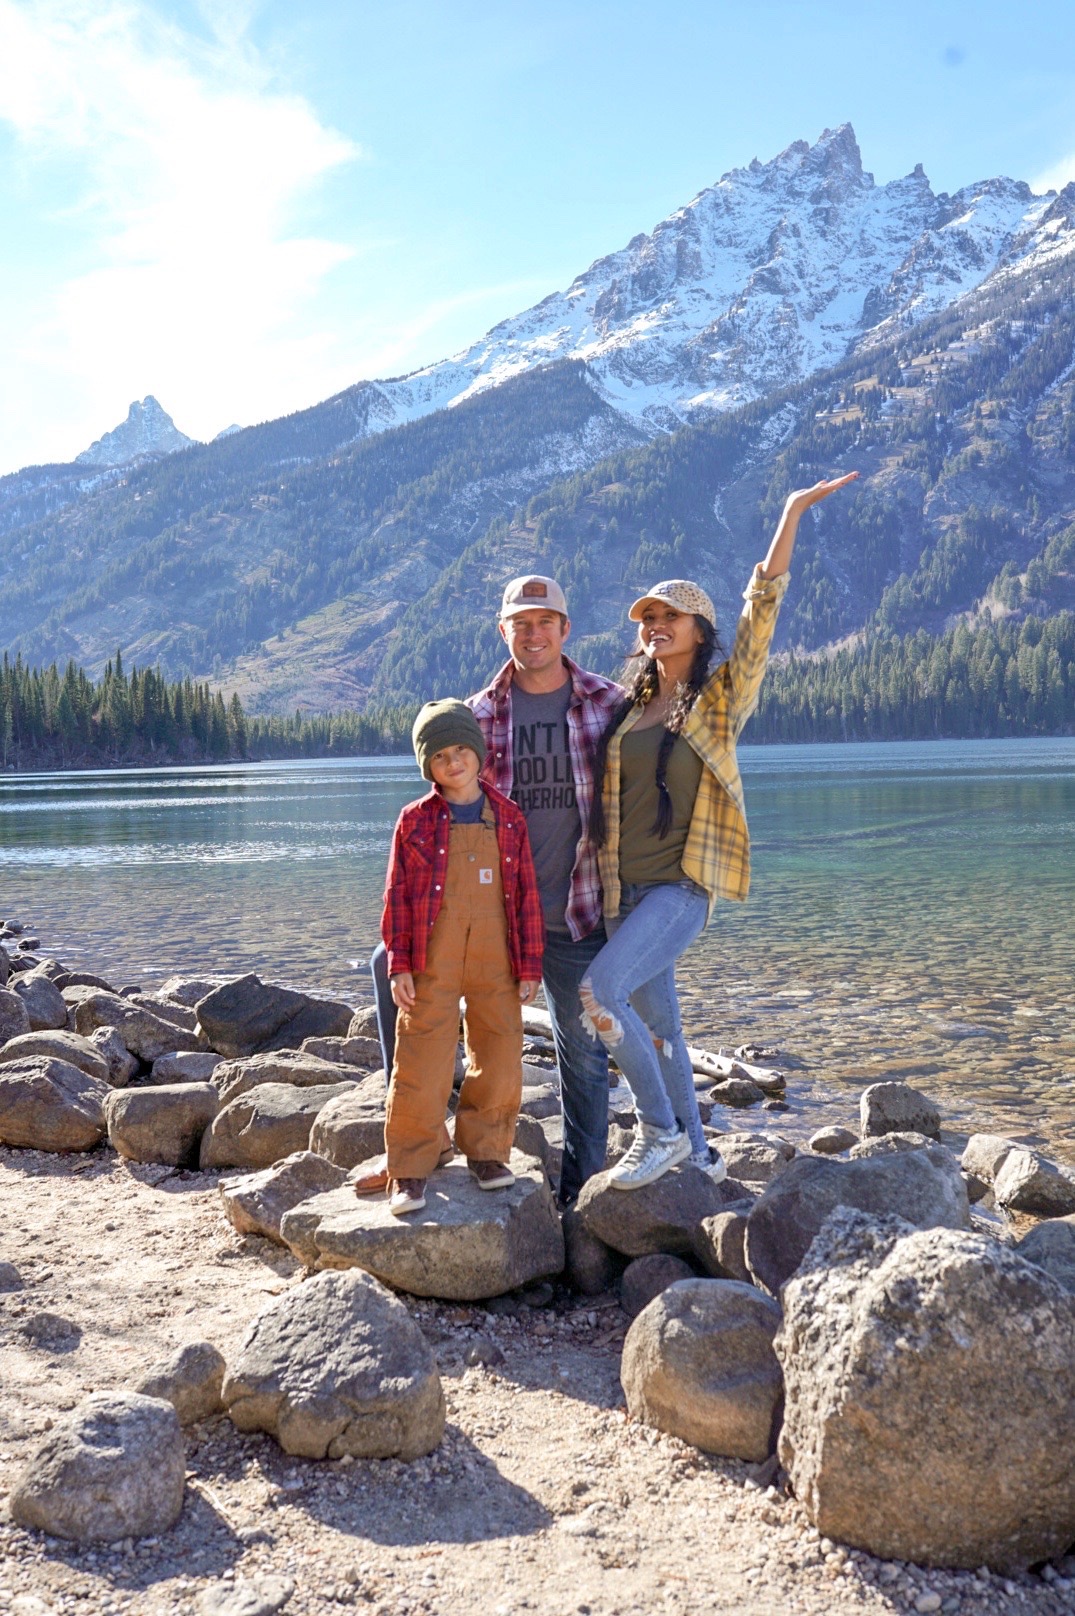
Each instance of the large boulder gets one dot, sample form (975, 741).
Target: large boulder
(246, 1015)
(659, 1217)
(923, 1186)
(145, 1034)
(755, 1159)
(337, 1366)
(48, 1104)
(112, 1468)
(897, 1108)
(264, 1125)
(190, 1379)
(160, 1124)
(589, 1265)
(43, 1000)
(350, 1128)
(646, 1277)
(256, 1203)
(362, 1052)
(14, 1017)
(1051, 1245)
(363, 1024)
(185, 1066)
(235, 1077)
(122, 1065)
(66, 1046)
(167, 1009)
(889, 1144)
(720, 1246)
(466, 1245)
(984, 1154)
(698, 1362)
(1027, 1182)
(930, 1380)
(190, 990)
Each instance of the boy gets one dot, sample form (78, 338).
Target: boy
(462, 918)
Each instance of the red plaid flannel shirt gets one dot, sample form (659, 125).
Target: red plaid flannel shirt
(415, 882)
(592, 701)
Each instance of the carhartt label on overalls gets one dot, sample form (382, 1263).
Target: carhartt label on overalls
(485, 877)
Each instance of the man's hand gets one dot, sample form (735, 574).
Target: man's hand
(403, 991)
(528, 992)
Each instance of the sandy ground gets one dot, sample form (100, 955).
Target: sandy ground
(543, 1497)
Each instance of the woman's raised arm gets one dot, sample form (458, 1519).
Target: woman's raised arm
(779, 558)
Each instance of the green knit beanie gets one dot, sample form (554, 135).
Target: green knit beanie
(445, 723)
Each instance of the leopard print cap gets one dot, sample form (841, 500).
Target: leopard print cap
(680, 593)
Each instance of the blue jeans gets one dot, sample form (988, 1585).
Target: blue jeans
(631, 988)
(582, 1064)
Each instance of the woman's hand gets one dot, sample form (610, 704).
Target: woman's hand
(802, 499)
(528, 992)
(403, 994)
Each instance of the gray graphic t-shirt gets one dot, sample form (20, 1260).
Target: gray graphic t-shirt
(543, 785)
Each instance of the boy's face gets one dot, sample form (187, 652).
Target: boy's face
(455, 770)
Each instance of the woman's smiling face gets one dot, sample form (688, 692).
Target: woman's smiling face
(663, 632)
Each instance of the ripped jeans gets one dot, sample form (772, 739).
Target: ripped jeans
(629, 1000)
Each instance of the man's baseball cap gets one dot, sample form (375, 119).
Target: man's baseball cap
(680, 593)
(532, 593)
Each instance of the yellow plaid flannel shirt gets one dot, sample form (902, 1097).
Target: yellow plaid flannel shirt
(717, 852)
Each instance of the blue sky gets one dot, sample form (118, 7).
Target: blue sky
(244, 207)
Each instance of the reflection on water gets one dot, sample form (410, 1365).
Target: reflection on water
(911, 912)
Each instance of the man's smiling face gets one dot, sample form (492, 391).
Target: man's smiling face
(535, 638)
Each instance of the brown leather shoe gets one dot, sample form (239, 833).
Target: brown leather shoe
(406, 1195)
(491, 1175)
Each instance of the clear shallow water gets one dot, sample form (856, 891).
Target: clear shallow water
(912, 912)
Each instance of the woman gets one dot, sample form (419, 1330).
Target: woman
(671, 833)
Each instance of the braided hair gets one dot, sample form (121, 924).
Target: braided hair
(642, 686)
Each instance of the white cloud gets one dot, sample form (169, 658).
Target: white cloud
(189, 168)
(1056, 177)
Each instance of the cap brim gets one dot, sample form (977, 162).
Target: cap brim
(635, 614)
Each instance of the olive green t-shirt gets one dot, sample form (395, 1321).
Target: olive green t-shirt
(644, 856)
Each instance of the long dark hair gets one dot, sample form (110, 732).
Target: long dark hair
(641, 684)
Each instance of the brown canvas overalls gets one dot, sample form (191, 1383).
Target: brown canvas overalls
(467, 958)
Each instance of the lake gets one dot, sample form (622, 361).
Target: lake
(912, 912)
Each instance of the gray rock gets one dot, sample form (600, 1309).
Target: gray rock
(468, 1243)
(112, 1468)
(720, 1246)
(659, 1217)
(338, 1366)
(923, 1186)
(361, 1052)
(349, 1129)
(984, 1154)
(1027, 1182)
(363, 1024)
(646, 1277)
(832, 1141)
(160, 1124)
(5, 967)
(889, 1144)
(256, 1204)
(755, 1158)
(531, 1139)
(14, 1017)
(978, 1189)
(930, 1381)
(65, 1046)
(48, 1104)
(539, 1099)
(84, 979)
(699, 1364)
(167, 1009)
(897, 1108)
(185, 1066)
(737, 1091)
(190, 990)
(318, 1018)
(589, 1265)
(43, 1000)
(145, 1034)
(1051, 1245)
(264, 1125)
(10, 1278)
(246, 1015)
(190, 1379)
(235, 1077)
(246, 1596)
(122, 1065)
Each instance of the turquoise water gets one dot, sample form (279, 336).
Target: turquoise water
(912, 910)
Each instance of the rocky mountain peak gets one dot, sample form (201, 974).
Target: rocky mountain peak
(148, 430)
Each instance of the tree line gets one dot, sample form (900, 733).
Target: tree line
(993, 679)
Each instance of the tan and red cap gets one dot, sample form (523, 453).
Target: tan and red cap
(680, 593)
(532, 593)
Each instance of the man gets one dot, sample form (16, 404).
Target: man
(541, 718)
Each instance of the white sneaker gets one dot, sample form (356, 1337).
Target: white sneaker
(653, 1151)
(711, 1162)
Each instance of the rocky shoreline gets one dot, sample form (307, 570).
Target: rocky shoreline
(860, 1349)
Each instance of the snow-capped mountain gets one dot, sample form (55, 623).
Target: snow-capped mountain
(148, 430)
(775, 272)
